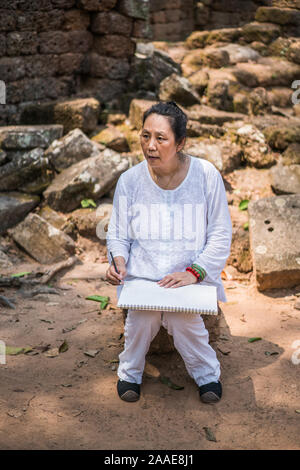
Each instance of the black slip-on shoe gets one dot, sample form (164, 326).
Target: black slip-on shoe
(128, 391)
(211, 393)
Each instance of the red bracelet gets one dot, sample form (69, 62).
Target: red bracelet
(191, 270)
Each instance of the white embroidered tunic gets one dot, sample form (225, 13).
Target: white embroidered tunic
(160, 231)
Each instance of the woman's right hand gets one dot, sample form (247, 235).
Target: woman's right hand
(112, 276)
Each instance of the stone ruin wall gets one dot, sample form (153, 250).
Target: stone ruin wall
(173, 20)
(55, 49)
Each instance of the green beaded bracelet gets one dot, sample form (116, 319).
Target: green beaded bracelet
(199, 270)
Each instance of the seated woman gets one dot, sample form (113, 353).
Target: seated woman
(171, 224)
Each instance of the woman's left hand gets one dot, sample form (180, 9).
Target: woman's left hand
(178, 279)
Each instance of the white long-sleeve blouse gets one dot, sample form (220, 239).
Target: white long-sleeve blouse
(160, 231)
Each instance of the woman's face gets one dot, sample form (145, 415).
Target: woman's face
(158, 142)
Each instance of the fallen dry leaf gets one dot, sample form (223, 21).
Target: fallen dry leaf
(54, 352)
(14, 413)
(91, 352)
(224, 350)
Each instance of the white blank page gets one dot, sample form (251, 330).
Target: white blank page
(148, 295)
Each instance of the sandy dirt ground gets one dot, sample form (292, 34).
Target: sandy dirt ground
(70, 401)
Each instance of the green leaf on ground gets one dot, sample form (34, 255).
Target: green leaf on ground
(167, 381)
(13, 351)
(87, 203)
(209, 434)
(251, 340)
(63, 347)
(99, 298)
(246, 226)
(20, 274)
(243, 205)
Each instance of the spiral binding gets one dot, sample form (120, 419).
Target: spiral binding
(168, 309)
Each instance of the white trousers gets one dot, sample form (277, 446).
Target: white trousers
(190, 339)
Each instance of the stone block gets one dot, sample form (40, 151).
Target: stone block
(176, 88)
(135, 8)
(291, 156)
(285, 179)
(53, 217)
(2, 45)
(14, 207)
(42, 241)
(112, 138)
(280, 136)
(211, 57)
(70, 149)
(42, 65)
(29, 137)
(224, 19)
(136, 111)
(87, 220)
(35, 5)
(28, 172)
(76, 20)
(22, 43)
(8, 20)
(114, 45)
(90, 178)
(103, 89)
(79, 113)
(142, 30)
(277, 15)
(108, 67)
(163, 342)
(80, 41)
(63, 3)
(9, 114)
(231, 6)
(111, 23)
(72, 63)
(34, 89)
(40, 21)
(208, 115)
(54, 42)
(261, 32)
(268, 72)
(96, 5)
(294, 52)
(11, 5)
(274, 225)
(286, 4)
(37, 113)
(173, 16)
(12, 68)
(202, 14)
(158, 17)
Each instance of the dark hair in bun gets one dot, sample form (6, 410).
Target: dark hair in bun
(175, 115)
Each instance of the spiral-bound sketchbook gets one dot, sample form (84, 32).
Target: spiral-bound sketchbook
(143, 294)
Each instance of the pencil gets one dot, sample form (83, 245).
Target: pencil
(114, 262)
